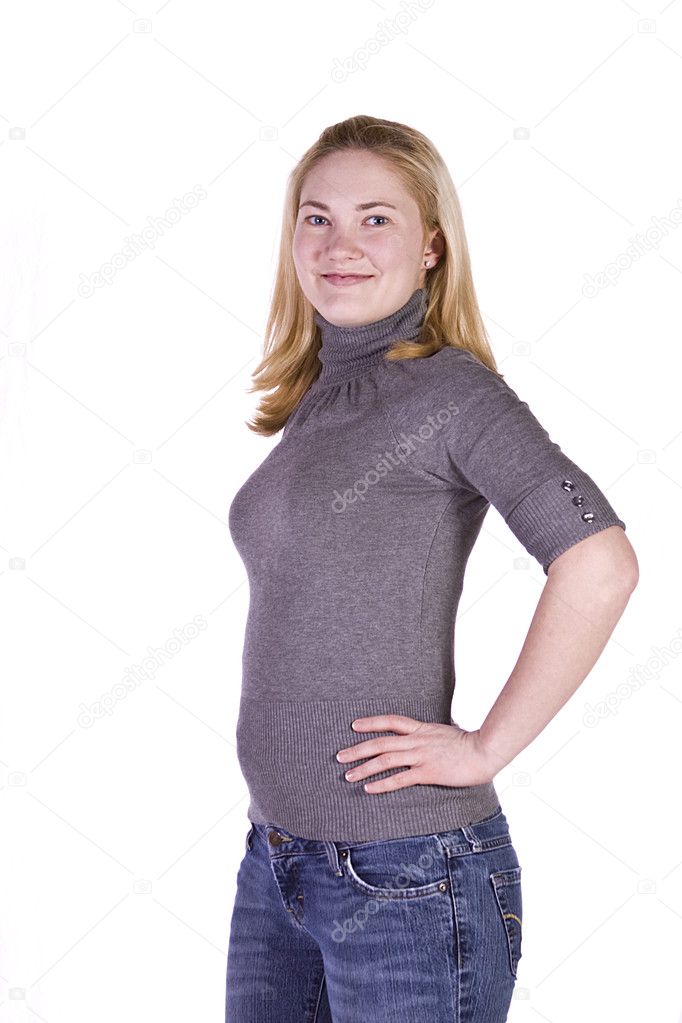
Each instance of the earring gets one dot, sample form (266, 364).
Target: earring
(426, 263)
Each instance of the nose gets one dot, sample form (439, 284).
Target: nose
(343, 245)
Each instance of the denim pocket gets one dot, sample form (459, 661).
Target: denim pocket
(398, 868)
(507, 887)
(249, 838)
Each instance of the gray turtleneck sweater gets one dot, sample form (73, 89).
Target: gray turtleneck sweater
(355, 531)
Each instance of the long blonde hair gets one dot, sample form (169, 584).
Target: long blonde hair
(290, 364)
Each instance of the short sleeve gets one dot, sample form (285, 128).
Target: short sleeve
(486, 439)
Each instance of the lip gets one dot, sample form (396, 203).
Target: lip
(345, 280)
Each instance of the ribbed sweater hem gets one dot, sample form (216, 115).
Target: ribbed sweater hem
(297, 784)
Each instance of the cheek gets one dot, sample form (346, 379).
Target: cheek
(303, 248)
(388, 250)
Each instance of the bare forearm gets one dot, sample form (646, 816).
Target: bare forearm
(578, 610)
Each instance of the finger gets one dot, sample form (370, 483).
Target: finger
(402, 780)
(386, 723)
(395, 758)
(372, 747)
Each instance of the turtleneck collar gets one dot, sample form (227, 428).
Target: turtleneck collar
(348, 351)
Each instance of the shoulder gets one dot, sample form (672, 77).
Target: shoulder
(449, 362)
(449, 374)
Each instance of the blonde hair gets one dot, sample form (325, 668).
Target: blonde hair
(290, 364)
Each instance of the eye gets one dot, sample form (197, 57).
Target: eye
(372, 216)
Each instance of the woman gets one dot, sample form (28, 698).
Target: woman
(393, 892)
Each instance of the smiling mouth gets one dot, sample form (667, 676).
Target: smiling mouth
(346, 279)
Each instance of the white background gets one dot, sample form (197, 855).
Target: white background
(123, 441)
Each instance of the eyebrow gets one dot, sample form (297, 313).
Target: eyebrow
(360, 206)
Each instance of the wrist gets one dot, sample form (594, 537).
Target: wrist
(491, 757)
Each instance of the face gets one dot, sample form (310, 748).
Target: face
(359, 247)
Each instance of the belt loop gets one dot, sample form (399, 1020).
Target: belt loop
(333, 857)
(472, 837)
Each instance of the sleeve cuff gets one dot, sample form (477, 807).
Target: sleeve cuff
(559, 513)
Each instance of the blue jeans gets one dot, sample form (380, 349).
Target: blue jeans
(425, 928)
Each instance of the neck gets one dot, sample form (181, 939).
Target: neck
(347, 352)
